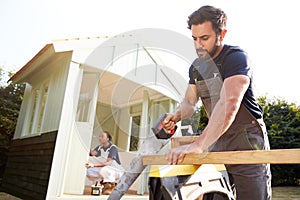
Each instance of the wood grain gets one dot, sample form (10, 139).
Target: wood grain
(278, 156)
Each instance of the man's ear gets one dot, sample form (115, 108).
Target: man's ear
(222, 34)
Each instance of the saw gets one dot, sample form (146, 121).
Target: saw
(155, 141)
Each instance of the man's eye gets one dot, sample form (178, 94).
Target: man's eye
(204, 38)
(194, 38)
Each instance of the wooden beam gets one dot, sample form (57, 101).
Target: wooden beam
(278, 156)
(178, 141)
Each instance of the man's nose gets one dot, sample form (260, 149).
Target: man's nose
(198, 44)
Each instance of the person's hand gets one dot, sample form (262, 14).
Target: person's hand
(89, 165)
(176, 155)
(170, 121)
(93, 152)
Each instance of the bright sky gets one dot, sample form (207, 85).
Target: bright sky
(267, 30)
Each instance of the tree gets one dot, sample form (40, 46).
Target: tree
(198, 120)
(11, 96)
(10, 101)
(283, 125)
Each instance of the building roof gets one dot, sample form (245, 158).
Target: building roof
(129, 56)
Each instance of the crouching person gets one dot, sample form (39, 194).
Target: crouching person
(104, 164)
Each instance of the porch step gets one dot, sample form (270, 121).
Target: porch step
(103, 197)
(130, 194)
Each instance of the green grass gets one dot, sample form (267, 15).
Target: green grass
(286, 193)
(5, 196)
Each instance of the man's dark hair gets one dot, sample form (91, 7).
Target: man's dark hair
(108, 135)
(216, 16)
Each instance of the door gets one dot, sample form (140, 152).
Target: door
(82, 134)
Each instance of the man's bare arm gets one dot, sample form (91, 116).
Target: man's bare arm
(223, 115)
(185, 109)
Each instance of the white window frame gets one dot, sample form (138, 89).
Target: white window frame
(130, 127)
(35, 107)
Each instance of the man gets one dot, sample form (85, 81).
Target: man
(222, 78)
(105, 163)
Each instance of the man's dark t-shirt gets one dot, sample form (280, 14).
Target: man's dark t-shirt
(231, 61)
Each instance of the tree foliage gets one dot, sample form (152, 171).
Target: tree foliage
(10, 101)
(198, 120)
(283, 125)
(11, 96)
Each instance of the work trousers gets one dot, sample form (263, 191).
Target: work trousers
(251, 181)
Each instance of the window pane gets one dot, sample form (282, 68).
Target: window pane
(135, 132)
(34, 110)
(85, 102)
(43, 103)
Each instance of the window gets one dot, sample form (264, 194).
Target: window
(36, 113)
(42, 109)
(35, 94)
(135, 132)
(87, 97)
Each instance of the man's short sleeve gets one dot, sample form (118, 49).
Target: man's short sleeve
(236, 64)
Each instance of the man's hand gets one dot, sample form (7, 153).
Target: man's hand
(176, 155)
(170, 121)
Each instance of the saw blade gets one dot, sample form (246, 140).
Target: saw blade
(150, 146)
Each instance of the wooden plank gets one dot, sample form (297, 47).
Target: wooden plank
(277, 156)
(178, 141)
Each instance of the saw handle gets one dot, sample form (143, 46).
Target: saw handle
(159, 131)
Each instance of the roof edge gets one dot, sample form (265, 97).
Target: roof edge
(32, 60)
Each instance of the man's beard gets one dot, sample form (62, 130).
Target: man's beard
(205, 55)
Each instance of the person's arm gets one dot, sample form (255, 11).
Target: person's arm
(94, 152)
(185, 109)
(113, 155)
(223, 115)
(91, 165)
